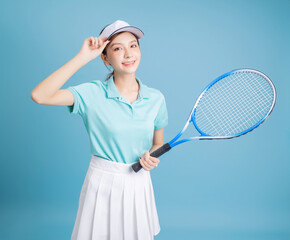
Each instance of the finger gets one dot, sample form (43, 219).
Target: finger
(89, 40)
(146, 158)
(106, 43)
(101, 42)
(104, 39)
(147, 155)
(146, 163)
(142, 164)
(151, 164)
(154, 159)
(92, 41)
(151, 160)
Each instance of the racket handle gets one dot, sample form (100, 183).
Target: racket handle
(157, 153)
(160, 151)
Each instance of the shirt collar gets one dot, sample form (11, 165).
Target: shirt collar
(113, 92)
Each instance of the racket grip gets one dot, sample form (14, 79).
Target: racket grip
(160, 151)
(157, 153)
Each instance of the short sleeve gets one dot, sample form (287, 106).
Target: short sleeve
(161, 119)
(79, 92)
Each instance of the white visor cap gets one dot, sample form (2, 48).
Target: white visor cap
(120, 26)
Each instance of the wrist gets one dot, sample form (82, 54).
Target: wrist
(81, 59)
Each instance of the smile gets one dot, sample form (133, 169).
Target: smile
(127, 64)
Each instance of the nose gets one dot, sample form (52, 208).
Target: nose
(128, 53)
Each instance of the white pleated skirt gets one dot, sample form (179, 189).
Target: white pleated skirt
(116, 203)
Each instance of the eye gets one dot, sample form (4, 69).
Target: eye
(116, 49)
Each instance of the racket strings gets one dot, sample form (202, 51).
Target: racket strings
(234, 104)
(255, 105)
(237, 109)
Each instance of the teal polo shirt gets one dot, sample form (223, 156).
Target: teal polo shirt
(118, 130)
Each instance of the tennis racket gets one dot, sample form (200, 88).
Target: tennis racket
(232, 105)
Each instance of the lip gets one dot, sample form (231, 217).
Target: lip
(128, 64)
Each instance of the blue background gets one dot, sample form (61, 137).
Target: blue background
(230, 189)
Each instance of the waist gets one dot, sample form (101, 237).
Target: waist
(110, 166)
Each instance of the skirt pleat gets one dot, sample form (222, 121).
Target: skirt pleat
(154, 216)
(148, 209)
(129, 218)
(116, 209)
(85, 215)
(101, 220)
(116, 203)
(143, 230)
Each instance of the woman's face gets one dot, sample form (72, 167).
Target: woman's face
(123, 53)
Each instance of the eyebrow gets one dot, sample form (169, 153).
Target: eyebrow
(121, 43)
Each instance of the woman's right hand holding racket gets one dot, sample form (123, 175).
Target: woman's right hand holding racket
(93, 47)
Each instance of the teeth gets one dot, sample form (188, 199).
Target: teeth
(129, 62)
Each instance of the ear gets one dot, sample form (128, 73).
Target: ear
(104, 58)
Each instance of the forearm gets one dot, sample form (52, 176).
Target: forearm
(48, 87)
(154, 147)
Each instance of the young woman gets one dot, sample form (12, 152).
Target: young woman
(125, 121)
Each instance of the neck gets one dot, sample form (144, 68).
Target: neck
(126, 83)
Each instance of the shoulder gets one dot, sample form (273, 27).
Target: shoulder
(88, 86)
(97, 83)
(88, 91)
(154, 92)
(101, 85)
